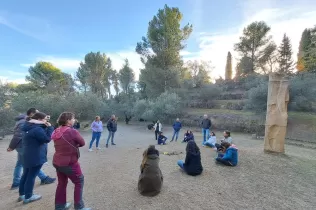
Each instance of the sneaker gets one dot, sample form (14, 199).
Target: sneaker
(32, 199)
(90, 150)
(113, 144)
(84, 209)
(67, 206)
(21, 198)
(171, 140)
(98, 148)
(14, 186)
(106, 145)
(48, 180)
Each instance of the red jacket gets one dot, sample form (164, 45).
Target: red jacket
(66, 154)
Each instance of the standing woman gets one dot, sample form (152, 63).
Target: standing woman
(157, 128)
(67, 141)
(97, 129)
(37, 134)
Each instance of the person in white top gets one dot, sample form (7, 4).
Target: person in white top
(157, 128)
(211, 141)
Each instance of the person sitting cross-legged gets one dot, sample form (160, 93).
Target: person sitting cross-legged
(192, 164)
(230, 155)
(150, 178)
(188, 136)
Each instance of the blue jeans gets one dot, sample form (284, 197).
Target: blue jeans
(19, 168)
(111, 136)
(175, 134)
(206, 134)
(95, 136)
(27, 181)
(209, 144)
(180, 163)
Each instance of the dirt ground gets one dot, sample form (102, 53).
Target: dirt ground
(260, 181)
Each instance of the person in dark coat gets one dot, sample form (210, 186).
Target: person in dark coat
(112, 128)
(176, 129)
(161, 139)
(188, 136)
(16, 144)
(150, 178)
(37, 134)
(192, 164)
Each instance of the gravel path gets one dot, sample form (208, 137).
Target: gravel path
(260, 181)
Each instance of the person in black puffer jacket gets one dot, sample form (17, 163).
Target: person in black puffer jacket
(112, 128)
(192, 164)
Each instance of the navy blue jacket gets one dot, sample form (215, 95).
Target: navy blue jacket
(193, 165)
(177, 126)
(35, 144)
(16, 141)
(112, 125)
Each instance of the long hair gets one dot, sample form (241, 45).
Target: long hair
(149, 151)
(192, 147)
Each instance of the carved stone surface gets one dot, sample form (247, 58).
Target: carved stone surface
(276, 118)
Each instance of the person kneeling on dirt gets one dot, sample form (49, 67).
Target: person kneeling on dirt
(188, 136)
(229, 157)
(150, 178)
(162, 139)
(192, 164)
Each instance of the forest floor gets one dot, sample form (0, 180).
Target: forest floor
(260, 181)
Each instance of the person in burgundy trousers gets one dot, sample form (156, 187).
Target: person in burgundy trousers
(67, 141)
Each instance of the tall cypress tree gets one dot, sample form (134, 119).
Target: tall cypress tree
(229, 68)
(285, 56)
(310, 52)
(303, 48)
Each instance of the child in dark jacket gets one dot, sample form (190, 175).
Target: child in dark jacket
(192, 164)
(162, 139)
(230, 157)
(150, 178)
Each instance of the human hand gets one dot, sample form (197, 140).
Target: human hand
(9, 149)
(48, 124)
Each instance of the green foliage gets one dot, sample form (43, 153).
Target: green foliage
(199, 73)
(84, 106)
(257, 98)
(285, 60)
(160, 51)
(229, 67)
(166, 107)
(254, 38)
(126, 77)
(310, 53)
(96, 73)
(303, 48)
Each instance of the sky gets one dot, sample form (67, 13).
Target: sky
(63, 32)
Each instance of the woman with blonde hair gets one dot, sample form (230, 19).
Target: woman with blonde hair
(97, 128)
(150, 178)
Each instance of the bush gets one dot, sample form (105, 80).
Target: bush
(235, 106)
(7, 116)
(84, 106)
(166, 108)
(257, 98)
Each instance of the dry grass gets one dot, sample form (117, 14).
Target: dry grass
(260, 181)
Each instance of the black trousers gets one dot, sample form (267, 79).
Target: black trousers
(156, 135)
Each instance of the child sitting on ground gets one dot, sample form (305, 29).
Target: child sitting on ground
(150, 178)
(230, 156)
(162, 139)
(227, 138)
(211, 141)
(188, 136)
(192, 164)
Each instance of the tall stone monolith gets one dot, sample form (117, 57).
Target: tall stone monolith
(276, 118)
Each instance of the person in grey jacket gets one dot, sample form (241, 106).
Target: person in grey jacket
(206, 125)
(16, 144)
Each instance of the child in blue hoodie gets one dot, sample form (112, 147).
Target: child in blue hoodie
(230, 157)
(162, 139)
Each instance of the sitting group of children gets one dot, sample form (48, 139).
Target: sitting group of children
(151, 178)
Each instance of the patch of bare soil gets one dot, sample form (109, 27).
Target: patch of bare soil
(260, 181)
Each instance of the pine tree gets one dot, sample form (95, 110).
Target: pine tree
(303, 48)
(310, 52)
(285, 56)
(229, 68)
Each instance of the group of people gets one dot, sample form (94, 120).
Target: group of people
(97, 129)
(32, 133)
(151, 178)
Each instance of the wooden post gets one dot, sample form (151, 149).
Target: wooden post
(276, 117)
